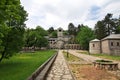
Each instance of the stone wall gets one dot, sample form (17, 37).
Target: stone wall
(105, 46)
(72, 46)
(114, 47)
(94, 47)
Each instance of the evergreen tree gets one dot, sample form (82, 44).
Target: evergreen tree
(100, 30)
(72, 29)
(107, 26)
(50, 30)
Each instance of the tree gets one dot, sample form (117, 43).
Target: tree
(84, 36)
(54, 34)
(117, 24)
(100, 30)
(107, 26)
(12, 21)
(41, 41)
(50, 30)
(29, 37)
(79, 27)
(72, 29)
(118, 30)
(35, 37)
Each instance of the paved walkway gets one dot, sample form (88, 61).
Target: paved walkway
(60, 70)
(88, 58)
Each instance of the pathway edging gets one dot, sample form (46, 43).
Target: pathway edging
(60, 69)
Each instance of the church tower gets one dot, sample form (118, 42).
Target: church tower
(60, 32)
(60, 40)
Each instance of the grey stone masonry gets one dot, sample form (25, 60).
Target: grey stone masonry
(59, 70)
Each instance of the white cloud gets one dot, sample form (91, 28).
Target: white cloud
(59, 13)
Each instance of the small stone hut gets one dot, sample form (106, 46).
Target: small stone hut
(94, 46)
(111, 44)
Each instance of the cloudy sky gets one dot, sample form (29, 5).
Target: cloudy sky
(59, 13)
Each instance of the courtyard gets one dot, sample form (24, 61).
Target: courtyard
(59, 40)
(83, 69)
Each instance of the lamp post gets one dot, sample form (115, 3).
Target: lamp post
(67, 52)
(68, 46)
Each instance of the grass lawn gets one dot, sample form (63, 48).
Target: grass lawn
(21, 66)
(117, 58)
(71, 57)
(107, 56)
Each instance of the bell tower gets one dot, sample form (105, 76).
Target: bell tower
(60, 32)
(60, 40)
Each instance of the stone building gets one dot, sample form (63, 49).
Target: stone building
(108, 45)
(72, 46)
(111, 44)
(94, 46)
(61, 42)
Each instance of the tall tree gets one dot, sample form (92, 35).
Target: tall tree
(79, 27)
(13, 18)
(50, 30)
(100, 30)
(41, 41)
(29, 37)
(71, 29)
(84, 36)
(117, 25)
(107, 26)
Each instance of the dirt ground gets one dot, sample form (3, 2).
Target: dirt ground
(88, 72)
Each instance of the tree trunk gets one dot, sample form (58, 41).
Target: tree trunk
(2, 56)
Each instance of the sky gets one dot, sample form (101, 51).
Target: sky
(59, 13)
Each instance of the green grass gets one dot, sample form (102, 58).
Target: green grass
(71, 57)
(21, 66)
(117, 58)
(85, 52)
(111, 57)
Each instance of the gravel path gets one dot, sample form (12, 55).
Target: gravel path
(88, 58)
(60, 70)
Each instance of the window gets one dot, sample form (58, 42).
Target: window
(60, 30)
(111, 43)
(93, 45)
(118, 43)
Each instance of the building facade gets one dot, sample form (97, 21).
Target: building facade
(61, 42)
(94, 46)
